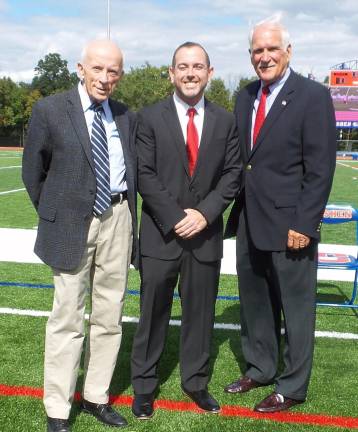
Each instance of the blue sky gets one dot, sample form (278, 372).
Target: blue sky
(323, 32)
(22, 9)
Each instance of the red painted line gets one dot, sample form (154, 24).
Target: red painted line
(226, 410)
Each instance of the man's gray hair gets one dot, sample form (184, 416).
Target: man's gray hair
(274, 22)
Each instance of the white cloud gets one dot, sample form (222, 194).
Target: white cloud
(322, 33)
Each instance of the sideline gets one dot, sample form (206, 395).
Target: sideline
(17, 246)
(175, 323)
(226, 410)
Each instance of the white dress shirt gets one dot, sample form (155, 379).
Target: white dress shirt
(116, 158)
(270, 99)
(182, 109)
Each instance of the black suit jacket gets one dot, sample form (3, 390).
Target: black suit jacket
(167, 188)
(58, 173)
(288, 175)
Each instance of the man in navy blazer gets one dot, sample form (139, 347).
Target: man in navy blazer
(84, 248)
(288, 146)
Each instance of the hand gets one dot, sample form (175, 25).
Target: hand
(296, 240)
(193, 223)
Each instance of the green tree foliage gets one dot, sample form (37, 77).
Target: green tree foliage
(52, 75)
(12, 100)
(244, 81)
(32, 97)
(16, 101)
(143, 86)
(218, 93)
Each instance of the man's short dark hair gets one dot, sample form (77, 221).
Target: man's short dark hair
(191, 45)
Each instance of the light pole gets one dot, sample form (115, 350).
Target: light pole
(108, 20)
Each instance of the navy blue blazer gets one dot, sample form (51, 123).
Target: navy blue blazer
(287, 177)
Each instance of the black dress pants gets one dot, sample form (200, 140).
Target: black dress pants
(198, 286)
(276, 287)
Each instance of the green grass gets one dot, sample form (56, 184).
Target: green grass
(16, 210)
(21, 364)
(332, 390)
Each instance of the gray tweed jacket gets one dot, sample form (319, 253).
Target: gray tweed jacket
(58, 174)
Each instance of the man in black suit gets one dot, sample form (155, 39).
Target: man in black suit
(188, 172)
(288, 142)
(79, 168)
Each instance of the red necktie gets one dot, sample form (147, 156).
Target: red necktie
(192, 140)
(260, 115)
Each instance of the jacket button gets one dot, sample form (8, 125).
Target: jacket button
(249, 167)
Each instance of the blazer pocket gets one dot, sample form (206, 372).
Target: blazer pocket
(46, 212)
(286, 201)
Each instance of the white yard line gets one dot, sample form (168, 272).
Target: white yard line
(347, 166)
(9, 167)
(12, 191)
(175, 323)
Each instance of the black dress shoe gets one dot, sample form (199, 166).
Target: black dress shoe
(242, 385)
(104, 413)
(276, 402)
(57, 425)
(204, 400)
(142, 406)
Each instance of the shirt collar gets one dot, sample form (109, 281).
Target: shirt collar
(279, 83)
(87, 103)
(182, 107)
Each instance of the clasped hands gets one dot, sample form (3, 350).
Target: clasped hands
(191, 225)
(296, 240)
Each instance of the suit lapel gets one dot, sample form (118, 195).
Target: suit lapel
(172, 121)
(206, 136)
(248, 120)
(75, 112)
(282, 100)
(122, 123)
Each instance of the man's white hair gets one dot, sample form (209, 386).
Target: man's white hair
(274, 22)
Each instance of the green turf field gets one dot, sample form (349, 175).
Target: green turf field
(333, 389)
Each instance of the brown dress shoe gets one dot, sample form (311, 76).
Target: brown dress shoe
(276, 402)
(242, 385)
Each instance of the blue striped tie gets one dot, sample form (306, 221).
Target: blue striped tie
(101, 162)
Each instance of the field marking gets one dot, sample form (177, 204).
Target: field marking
(12, 191)
(9, 167)
(175, 323)
(226, 410)
(347, 166)
(4, 156)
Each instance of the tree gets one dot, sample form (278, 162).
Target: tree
(143, 86)
(12, 99)
(12, 108)
(52, 75)
(244, 81)
(218, 93)
(32, 97)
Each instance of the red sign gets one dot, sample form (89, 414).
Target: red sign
(333, 258)
(338, 214)
(343, 78)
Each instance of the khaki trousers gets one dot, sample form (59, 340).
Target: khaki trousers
(104, 270)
